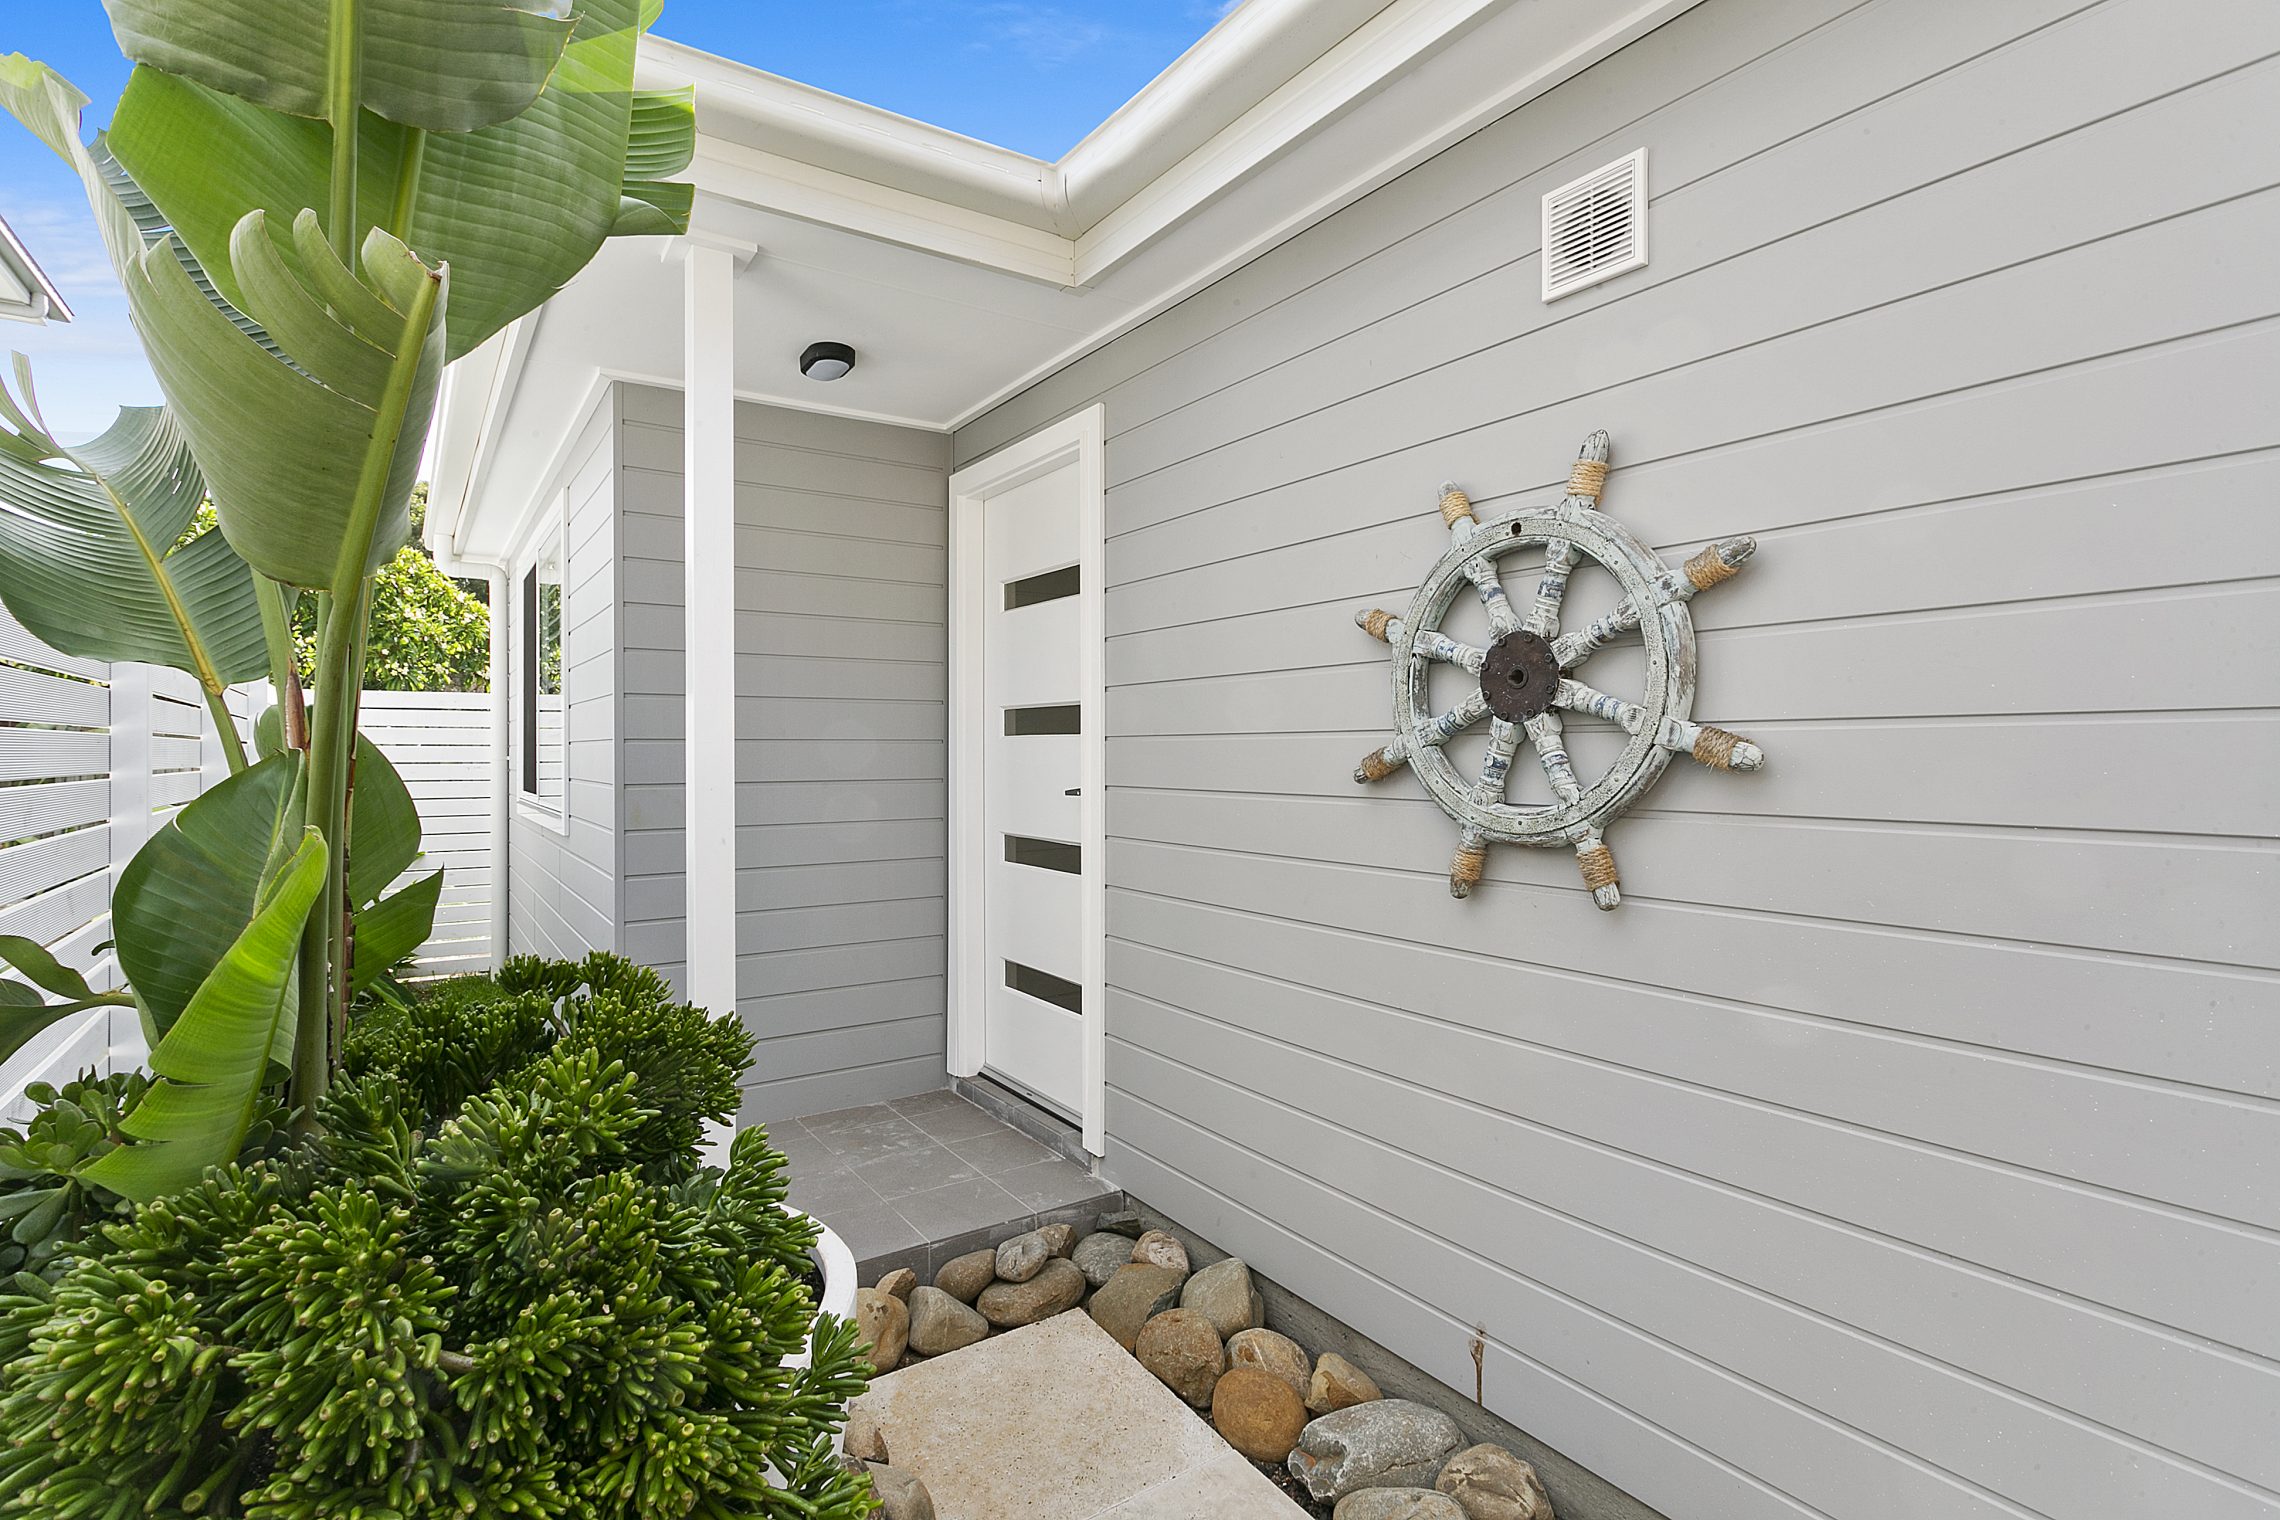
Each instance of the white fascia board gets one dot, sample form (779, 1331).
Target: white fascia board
(743, 106)
(1207, 89)
(1357, 67)
(1273, 73)
(472, 406)
(32, 296)
(734, 171)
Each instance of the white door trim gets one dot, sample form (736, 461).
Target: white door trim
(1082, 439)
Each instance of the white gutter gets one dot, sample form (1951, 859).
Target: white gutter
(1254, 51)
(26, 292)
(1244, 59)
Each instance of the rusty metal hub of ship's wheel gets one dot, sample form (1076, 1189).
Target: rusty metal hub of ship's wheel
(1527, 676)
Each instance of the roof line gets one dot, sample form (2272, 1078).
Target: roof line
(47, 302)
(1254, 51)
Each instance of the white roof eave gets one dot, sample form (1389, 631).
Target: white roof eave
(40, 301)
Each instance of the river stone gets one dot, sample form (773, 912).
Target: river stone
(1259, 1413)
(1338, 1384)
(1222, 1293)
(1392, 1443)
(1022, 1257)
(1490, 1483)
(884, 1323)
(964, 1277)
(1099, 1255)
(1272, 1353)
(901, 1495)
(863, 1439)
(1124, 1222)
(1184, 1352)
(1159, 1249)
(900, 1282)
(1397, 1504)
(1058, 1285)
(1135, 1295)
(1060, 1239)
(940, 1323)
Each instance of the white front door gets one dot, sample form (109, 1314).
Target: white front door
(1026, 738)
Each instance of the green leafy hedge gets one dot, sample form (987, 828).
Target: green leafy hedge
(496, 1284)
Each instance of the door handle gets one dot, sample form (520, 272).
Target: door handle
(1074, 791)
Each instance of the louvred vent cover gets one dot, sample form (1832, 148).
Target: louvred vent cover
(1596, 227)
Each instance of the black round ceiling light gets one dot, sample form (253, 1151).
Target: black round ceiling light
(826, 361)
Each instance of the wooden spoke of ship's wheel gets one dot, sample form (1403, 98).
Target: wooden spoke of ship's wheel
(1471, 858)
(1524, 674)
(1455, 721)
(1712, 746)
(1717, 563)
(1381, 763)
(1559, 563)
(1432, 644)
(1592, 857)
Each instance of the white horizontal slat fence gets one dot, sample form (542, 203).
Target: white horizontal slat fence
(440, 742)
(93, 757)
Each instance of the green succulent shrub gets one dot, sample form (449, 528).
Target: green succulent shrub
(493, 1281)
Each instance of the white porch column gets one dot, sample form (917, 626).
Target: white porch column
(709, 665)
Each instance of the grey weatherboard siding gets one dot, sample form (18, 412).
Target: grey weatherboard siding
(841, 726)
(562, 883)
(1906, 1145)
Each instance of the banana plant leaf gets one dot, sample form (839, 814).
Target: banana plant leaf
(383, 843)
(515, 210)
(288, 425)
(213, 1063)
(195, 885)
(444, 65)
(90, 553)
(24, 1013)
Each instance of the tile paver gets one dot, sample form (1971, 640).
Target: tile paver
(1055, 1422)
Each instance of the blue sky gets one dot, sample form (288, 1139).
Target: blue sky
(1035, 77)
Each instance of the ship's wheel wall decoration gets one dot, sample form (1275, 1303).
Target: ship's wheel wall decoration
(1526, 676)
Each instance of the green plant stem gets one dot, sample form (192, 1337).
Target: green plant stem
(408, 167)
(340, 656)
(344, 75)
(284, 671)
(233, 746)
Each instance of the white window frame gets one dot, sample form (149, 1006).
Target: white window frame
(552, 523)
(1082, 439)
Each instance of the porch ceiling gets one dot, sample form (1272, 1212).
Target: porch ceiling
(961, 272)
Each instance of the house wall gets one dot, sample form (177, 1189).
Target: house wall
(562, 897)
(840, 741)
(1904, 1145)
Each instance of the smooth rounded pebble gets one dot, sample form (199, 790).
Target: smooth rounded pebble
(883, 1321)
(1338, 1384)
(1160, 1249)
(1490, 1483)
(1259, 1414)
(1184, 1352)
(1022, 1257)
(1270, 1352)
(940, 1323)
(964, 1277)
(1058, 1286)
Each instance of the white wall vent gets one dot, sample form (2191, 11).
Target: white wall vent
(1596, 227)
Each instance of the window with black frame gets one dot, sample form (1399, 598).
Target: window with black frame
(538, 662)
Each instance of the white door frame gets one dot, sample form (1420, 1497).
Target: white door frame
(1082, 439)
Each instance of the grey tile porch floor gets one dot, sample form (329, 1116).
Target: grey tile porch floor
(919, 1180)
